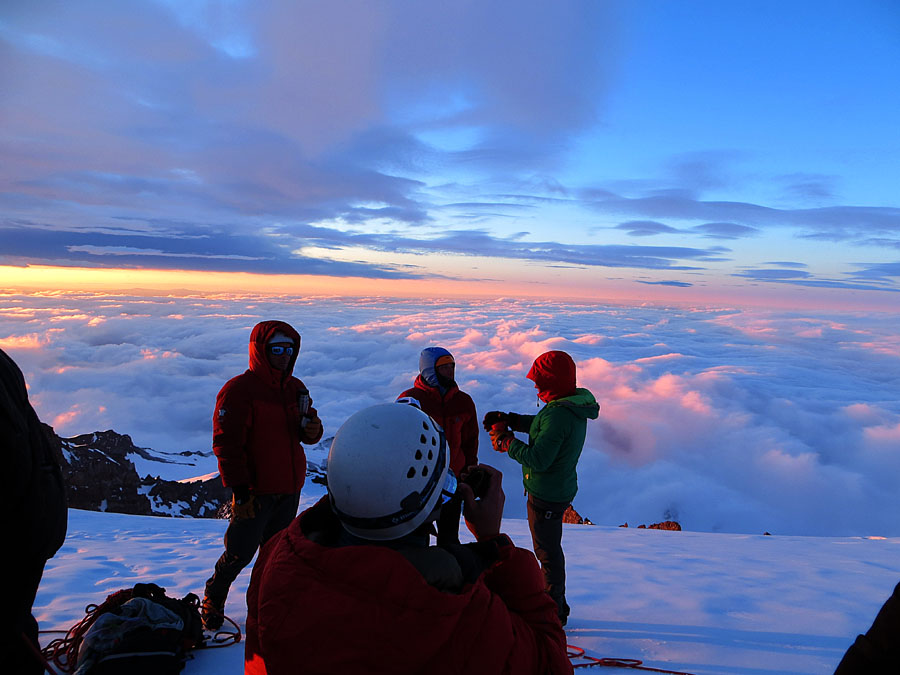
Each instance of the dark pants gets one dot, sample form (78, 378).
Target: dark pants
(448, 522)
(20, 641)
(244, 536)
(545, 523)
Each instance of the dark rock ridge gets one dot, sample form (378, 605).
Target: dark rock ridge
(99, 476)
(665, 525)
(572, 516)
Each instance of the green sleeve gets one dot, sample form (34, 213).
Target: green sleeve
(519, 422)
(542, 449)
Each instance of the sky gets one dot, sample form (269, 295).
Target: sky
(702, 603)
(724, 419)
(738, 153)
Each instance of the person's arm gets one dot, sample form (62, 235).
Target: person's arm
(519, 422)
(312, 431)
(254, 664)
(537, 637)
(469, 436)
(540, 454)
(231, 427)
(539, 640)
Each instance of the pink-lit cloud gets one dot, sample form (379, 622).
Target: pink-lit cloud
(720, 427)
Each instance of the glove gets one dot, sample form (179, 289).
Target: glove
(494, 417)
(501, 439)
(312, 430)
(243, 504)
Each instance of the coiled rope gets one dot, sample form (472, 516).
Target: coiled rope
(577, 653)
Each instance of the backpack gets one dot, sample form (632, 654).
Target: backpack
(135, 631)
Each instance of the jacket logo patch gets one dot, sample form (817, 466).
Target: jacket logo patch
(221, 412)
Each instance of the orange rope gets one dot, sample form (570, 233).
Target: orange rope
(613, 662)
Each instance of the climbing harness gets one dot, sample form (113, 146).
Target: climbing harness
(581, 660)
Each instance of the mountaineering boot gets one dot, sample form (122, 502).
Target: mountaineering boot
(212, 612)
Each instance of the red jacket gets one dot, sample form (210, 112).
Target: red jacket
(256, 424)
(455, 412)
(315, 609)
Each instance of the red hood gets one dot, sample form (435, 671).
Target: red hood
(260, 336)
(553, 373)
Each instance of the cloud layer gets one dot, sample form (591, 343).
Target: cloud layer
(723, 419)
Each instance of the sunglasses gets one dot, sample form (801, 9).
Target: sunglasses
(278, 350)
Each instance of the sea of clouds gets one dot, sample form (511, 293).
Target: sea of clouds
(724, 419)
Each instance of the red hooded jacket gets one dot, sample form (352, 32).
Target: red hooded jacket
(318, 609)
(455, 412)
(256, 424)
(553, 373)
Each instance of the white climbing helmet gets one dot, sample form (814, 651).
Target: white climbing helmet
(387, 468)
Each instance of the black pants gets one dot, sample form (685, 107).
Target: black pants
(448, 522)
(23, 628)
(545, 523)
(244, 536)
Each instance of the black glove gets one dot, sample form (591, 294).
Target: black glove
(494, 417)
(243, 504)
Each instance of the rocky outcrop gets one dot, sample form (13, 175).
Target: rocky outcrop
(665, 525)
(97, 474)
(100, 477)
(572, 516)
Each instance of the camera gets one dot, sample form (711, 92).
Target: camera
(478, 479)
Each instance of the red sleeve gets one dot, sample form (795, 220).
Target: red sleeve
(311, 413)
(469, 435)
(254, 664)
(411, 393)
(231, 425)
(540, 642)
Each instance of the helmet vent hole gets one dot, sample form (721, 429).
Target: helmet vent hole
(424, 426)
(424, 470)
(411, 473)
(433, 440)
(422, 439)
(418, 454)
(430, 455)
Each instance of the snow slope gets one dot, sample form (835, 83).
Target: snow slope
(697, 602)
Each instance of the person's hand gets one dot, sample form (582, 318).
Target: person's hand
(243, 507)
(494, 417)
(500, 439)
(483, 516)
(313, 428)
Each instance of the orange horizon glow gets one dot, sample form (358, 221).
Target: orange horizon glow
(44, 278)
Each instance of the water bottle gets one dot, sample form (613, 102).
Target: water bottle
(303, 405)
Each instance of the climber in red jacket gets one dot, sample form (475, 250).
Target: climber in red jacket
(261, 418)
(351, 585)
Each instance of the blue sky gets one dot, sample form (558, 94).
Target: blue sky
(695, 152)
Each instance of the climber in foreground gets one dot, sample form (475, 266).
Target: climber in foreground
(353, 586)
(555, 440)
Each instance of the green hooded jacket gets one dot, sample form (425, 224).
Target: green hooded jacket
(555, 440)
